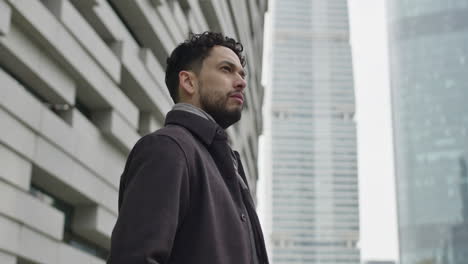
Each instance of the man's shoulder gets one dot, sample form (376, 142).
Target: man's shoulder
(177, 134)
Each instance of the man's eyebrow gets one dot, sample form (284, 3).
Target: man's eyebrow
(242, 71)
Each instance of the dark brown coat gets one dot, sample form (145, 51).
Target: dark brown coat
(180, 200)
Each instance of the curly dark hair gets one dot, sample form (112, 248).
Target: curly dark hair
(190, 54)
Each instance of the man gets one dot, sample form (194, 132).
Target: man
(183, 194)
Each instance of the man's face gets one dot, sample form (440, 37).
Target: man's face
(221, 83)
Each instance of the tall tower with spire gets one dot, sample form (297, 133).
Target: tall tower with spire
(314, 176)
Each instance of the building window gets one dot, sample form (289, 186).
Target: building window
(68, 210)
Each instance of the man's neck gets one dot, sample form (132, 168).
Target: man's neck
(193, 109)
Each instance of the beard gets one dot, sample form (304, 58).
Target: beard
(215, 104)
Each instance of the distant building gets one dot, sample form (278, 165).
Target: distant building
(429, 65)
(315, 208)
(80, 82)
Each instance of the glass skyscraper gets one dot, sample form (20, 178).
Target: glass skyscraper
(429, 76)
(314, 176)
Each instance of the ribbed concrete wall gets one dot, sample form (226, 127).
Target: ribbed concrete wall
(80, 82)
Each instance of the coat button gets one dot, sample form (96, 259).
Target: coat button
(243, 217)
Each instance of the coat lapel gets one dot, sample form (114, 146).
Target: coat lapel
(221, 153)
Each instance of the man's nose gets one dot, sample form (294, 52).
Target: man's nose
(240, 84)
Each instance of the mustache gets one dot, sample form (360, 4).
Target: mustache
(236, 92)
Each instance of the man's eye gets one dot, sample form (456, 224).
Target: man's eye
(226, 68)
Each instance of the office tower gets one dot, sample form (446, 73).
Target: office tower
(428, 63)
(315, 191)
(80, 82)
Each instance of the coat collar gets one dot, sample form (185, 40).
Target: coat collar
(206, 130)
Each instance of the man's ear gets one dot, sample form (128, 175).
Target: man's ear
(187, 82)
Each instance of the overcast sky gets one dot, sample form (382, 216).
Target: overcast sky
(373, 116)
(378, 239)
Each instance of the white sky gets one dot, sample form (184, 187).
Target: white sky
(378, 239)
(373, 116)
